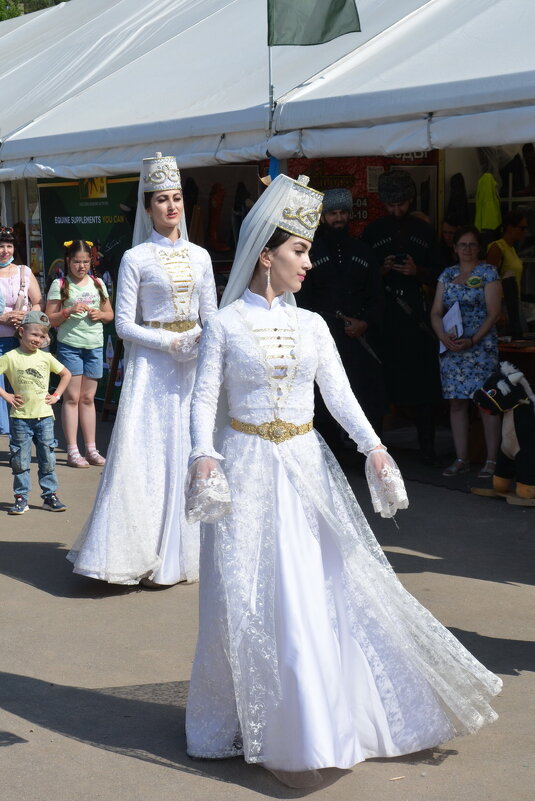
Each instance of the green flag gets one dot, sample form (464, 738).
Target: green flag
(310, 22)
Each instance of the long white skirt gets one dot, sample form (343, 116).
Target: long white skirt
(347, 689)
(137, 527)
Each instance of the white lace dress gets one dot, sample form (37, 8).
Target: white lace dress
(137, 527)
(311, 653)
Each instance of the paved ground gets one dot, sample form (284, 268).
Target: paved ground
(95, 677)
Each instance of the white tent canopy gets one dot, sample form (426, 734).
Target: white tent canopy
(105, 82)
(452, 74)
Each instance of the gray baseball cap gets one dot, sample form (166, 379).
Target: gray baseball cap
(36, 318)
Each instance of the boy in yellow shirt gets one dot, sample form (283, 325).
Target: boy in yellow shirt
(28, 369)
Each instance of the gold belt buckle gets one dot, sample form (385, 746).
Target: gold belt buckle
(277, 431)
(178, 327)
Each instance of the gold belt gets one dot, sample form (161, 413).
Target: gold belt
(178, 327)
(276, 431)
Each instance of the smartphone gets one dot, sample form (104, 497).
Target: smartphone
(399, 259)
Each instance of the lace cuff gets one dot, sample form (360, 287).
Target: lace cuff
(184, 348)
(198, 453)
(385, 482)
(207, 492)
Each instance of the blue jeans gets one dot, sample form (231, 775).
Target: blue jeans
(23, 432)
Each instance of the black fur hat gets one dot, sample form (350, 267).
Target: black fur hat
(395, 186)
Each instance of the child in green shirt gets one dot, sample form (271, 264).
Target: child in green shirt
(28, 369)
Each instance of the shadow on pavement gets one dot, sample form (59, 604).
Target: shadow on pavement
(44, 565)
(144, 722)
(510, 657)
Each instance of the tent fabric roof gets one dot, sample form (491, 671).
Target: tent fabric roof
(105, 82)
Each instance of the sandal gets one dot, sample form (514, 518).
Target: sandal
(487, 471)
(95, 458)
(76, 460)
(456, 468)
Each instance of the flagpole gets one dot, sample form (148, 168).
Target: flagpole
(271, 100)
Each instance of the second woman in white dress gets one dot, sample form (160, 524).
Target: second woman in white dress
(137, 530)
(311, 654)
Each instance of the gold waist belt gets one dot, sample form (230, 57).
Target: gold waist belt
(277, 431)
(178, 327)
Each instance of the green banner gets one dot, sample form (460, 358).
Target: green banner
(310, 22)
(101, 210)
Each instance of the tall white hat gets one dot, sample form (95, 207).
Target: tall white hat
(291, 205)
(160, 173)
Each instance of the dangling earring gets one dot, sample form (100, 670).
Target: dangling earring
(268, 277)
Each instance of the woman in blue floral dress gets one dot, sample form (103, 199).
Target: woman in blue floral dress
(470, 358)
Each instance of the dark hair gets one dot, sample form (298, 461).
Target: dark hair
(74, 247)
(467, 229)
(513, 218)
(277, 238)
(7, 235)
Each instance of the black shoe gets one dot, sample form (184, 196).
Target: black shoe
(19, 507)
(53, 503)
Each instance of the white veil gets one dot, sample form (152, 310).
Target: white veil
(256, 230)
(143, 223)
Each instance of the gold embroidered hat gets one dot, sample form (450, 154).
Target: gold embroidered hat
(160, 173)
(287, 204)
(301, 213)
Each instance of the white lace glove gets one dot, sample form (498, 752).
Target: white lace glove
(207, 491)
(183, 348)
(385, 482)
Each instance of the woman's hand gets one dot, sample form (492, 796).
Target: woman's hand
(457, 344)
(184, 347)
(385, 483)
(13, 317)
(203, 467)
(95, 314)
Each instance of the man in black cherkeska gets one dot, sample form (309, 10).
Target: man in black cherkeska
(345, 287)
(406, 249)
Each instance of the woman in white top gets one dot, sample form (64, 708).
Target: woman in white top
(311, 654)
(137, 530)
(19, 293)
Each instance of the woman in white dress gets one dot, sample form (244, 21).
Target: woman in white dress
(311, 654)
(137, 530)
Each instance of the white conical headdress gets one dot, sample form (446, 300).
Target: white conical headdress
(287, 204)
(158, 174)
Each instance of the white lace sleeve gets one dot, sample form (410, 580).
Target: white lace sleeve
(207, 292)
(207, 491)
(336, 391)
(385, 483)
(206, 390)
(126, 310)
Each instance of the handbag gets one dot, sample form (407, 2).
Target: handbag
(22, 301)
